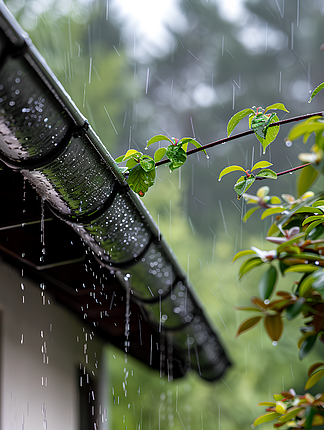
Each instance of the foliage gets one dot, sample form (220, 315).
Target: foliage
(140, 169)
(245, 182)
(293, 411)
(297, 232)
(260, 122)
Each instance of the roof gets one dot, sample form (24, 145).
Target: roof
(104, 256)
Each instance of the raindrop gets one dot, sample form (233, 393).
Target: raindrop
(274, 343)
(266, 302)
(316, 263)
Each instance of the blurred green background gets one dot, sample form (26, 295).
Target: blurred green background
(183, 68)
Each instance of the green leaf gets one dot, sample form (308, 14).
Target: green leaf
(232, 123)
(139, 180)
(267, 173)
(307, 346)
(313, 225)
(273, 229)
(157, 138)
(243, 254)
(293, 310)
(243, 184)
(305, 128)
(305, 285)
(316, 91)
(289, 415)
(306, 179)
(185, 140)
(147, 163)
(267, 282)
(278, 397)
(272, 133)
(131, 153)
(119, 159)
(318, 282)
(307, 209)
(248, 324)
(275, 200)
(272, 211)
(266, 418)
(130, 163)
(249, 213)
(177, 157)
(261, 165)
(318, 203)
(313, 218)
(301, 268)
(314, 379)
(275, 106)
(230, 169)
(249, 265)
(274, 326)
(159, 154)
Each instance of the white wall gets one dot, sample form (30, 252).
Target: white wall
(36, 395)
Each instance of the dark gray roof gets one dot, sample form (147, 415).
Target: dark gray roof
(45, 137)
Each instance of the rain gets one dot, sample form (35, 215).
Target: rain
(182, 69)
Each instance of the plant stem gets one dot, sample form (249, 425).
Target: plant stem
(284, 172)
(243, 134)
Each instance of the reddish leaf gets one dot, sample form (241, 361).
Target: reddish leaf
(274, 326)
(248, 324)
(314, 367)
(259, 303)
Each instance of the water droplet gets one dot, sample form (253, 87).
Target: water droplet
(274, 343)
(316, 263)
(266, 302)
(219, 179)
(288, 143)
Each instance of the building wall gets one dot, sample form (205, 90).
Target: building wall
(43, 351)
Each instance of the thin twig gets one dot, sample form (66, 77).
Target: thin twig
(243, 134)
(284, 172)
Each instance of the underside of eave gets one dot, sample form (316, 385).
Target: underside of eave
(46, 138)
(69, 272)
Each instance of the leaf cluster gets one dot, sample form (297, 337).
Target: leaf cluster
(140, 169)
(260, 122)
(245, 182)
(298, 251)
(294, 411)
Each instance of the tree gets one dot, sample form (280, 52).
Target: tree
(298, 231)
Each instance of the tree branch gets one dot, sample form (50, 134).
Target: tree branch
(284, 172)
(243, 134)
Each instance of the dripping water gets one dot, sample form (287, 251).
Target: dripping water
(42, 230)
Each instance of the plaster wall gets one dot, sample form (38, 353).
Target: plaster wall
(42, 348)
